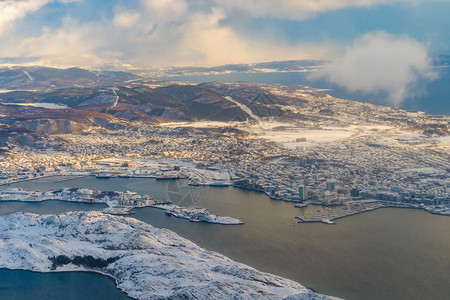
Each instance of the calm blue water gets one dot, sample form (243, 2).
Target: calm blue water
(16, 284)
(384, 254)
(431, 97)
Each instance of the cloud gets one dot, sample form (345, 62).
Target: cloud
(381, 63)
(205, 41)
(157, 33)
(126, 19)
(140, 36)
(11, 11)
(300, 9)
(14, 10)
(168, 10)
(70, 45)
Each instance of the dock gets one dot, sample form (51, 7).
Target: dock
(328, 215)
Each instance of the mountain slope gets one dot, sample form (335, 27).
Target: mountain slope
(204, 103)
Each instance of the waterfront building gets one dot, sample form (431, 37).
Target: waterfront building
(303, 193)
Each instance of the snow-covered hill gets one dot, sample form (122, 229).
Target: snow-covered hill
(146, 262)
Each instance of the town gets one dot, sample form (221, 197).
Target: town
(354, 152)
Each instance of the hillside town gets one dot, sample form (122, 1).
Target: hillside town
(350, 152)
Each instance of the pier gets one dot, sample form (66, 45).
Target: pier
(54, 179)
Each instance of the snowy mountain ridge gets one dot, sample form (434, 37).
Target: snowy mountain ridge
(148, 263)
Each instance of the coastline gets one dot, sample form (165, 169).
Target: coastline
(147, 257)
(118, 203)
(259, 206)
(388, 204)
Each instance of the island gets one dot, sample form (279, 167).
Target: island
(196, 214)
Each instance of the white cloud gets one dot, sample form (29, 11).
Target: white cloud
(70, 45)
(195, 39)
(11, 11)
(379, 62)
(161, 33)
(300, 9)
(204, 41)
(126, 19)
(14, 10)
(167, 10)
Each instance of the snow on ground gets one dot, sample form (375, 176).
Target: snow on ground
(8, 91)
(28, 75)
(199, 124)
(152, 263)
(290, 134)
(429, 171)
(41, 104)
(398, 137)
(209, 174)
(244, 108)
(444, 140)
(117, 97)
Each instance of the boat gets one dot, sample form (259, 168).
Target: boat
(194, 183)
(167, 177)
(104, 176)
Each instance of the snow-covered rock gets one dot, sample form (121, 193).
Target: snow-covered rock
(152, 263)
(196, 214)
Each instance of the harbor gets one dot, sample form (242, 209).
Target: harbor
(119, 203)
(273, 241)
(328, 214)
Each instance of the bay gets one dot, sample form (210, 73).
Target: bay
(384, 254)
(18, 284)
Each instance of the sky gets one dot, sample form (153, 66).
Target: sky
(357, 37)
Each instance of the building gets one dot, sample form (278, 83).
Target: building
(330, 185)
(302, 193)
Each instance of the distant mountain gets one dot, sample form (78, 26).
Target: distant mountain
(41, 78)
(275, 66)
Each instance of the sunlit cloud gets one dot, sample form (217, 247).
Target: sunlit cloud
(69, 45)
(206, 41)
(167, 10)
(14, 10)
(126, 19)
(382, 63)
(300, 9)
(11, 11)
(157, 33)
(138, 37)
